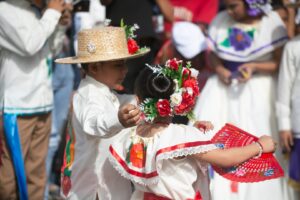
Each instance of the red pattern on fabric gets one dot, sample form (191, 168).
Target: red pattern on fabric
(151, 196)
(164, 150)
(265, 167)
(130, 171)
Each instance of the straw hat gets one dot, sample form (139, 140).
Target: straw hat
(295, 4)
(102, 44)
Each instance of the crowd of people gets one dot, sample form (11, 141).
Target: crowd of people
(96, 97)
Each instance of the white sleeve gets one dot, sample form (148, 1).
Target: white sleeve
(26, 37)
(285, 84)
(100, 119)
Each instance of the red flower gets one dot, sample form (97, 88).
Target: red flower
(133, 47)
(173, 64)
(186, 105)
(192, 83)
(138, 155)
(66, 185)
(163, 107)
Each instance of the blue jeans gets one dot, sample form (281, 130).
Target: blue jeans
(62, 83)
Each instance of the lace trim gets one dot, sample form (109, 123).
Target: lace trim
(167, 155)
(133, 178)
(185, 152)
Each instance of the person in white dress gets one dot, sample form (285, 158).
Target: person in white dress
(246, 42)
(169, 161)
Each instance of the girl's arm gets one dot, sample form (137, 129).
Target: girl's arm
(223, 73)
(234, 156)
(269, 67)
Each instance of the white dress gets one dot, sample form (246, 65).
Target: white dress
(149, 162)
(250, 106)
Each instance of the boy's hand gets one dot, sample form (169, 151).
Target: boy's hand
(286, 140)
(204, 126)
(66, 17)
(56, 5)
(129, 115)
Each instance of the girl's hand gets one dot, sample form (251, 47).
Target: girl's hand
(204, 126)
(224, 74)
(246, 71)
(267, 143)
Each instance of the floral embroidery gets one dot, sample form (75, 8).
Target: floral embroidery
(269, 172)
(137, 154)
(238, 39)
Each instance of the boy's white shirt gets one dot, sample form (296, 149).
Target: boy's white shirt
(25, 43)
(288, 101)
(95, 122)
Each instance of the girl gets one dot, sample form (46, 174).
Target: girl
(247, 41)
(169, 161)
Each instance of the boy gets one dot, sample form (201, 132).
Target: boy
(96, 119)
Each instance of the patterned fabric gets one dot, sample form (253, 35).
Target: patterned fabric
(69, 153)
(147, 162)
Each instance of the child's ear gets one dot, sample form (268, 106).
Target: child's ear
(93, 68)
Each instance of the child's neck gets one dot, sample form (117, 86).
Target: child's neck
(250, 20)
(150, 129)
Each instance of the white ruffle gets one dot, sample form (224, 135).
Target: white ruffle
(125, 174)
(174, 141)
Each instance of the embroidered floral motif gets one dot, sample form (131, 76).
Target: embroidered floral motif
(137, 154)
(238, 39)
(269, 172)
(66, 185)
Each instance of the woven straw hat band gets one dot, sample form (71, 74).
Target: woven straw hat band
(109, 42)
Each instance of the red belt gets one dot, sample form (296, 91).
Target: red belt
(151, 196)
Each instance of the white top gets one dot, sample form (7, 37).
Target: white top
(95, 118)
(288, 101)
(26, 41)
(238, 42)
(151, 165)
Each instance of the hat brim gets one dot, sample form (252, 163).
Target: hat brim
(77, 60)
(293, 5)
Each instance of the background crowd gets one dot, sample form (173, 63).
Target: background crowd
(35, 92)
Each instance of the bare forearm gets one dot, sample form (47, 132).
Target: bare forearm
(230, 157)
(167, 9)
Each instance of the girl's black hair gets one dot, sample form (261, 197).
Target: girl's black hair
(153, 85)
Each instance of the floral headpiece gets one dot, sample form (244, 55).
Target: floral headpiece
(183, 99)
(132, 45)
(257, 7)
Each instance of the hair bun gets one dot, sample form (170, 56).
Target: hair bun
(160, 86)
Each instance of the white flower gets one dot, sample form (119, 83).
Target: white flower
(189, 91)
(176, 84)
(194, 72)
(176, 99)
